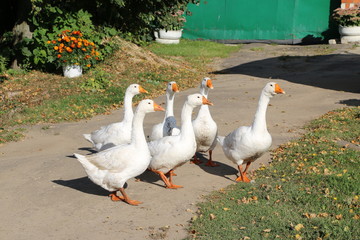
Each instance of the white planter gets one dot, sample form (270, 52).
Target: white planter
(349, 34)
(72, 71)
(168, 37)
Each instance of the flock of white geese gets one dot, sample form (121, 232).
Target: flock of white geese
(124, 151)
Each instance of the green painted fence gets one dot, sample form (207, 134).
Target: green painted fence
(286, 21)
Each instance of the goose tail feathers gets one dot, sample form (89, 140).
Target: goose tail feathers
(84, 162)
(220, 139)
(88, 137)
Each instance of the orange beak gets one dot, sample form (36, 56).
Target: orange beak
(278, 89)
(206, 101)
(142, 90)
(175, 87)
(209, 84)
(158, 107)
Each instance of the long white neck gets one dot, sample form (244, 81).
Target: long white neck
(204, 91)
(137, 131)
(128, 111)
(186, 125)
(259, 123)
(169, 105)
(204, 109)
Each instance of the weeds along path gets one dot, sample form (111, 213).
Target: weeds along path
(45, 191)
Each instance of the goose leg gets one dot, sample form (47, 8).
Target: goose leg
(114, 197)
(163, 177)
(210, 162)
(242, 177)
(171, 173)
(127, 199)
(246, 179)
(195, 160)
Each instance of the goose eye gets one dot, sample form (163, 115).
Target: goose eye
(135, 86)
(149, 102)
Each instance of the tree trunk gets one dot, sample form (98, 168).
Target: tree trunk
(21, 28)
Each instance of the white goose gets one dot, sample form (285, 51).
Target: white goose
(168, 126)
(171, 152)
(205, 128)
(119, 132)
(247, 143)
(112, 167)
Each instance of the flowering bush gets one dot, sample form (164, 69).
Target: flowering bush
(170, 21)
(71, 49)
(347, 17)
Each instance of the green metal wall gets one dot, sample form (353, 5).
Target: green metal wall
(288, 21)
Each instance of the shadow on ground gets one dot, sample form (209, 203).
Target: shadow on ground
(222, 170)
(84, 185)
(340, 72)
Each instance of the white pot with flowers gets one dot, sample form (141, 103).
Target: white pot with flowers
(73, 53)
(349, 23)
(169, 27)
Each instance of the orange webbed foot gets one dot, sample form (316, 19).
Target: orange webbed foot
(242, 179)
(173, 186)
(115, 197)
(195, 161)
(211, 164)
(133, 202)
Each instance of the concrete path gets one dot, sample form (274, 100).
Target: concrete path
(45, 193)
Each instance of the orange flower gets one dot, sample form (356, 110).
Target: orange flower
(61, 45)
(59, 56)
(73, 38)
(68, 49)
(72, 45)
(89, 65)
(84, 49)
(56, 48)
(48, 42)
(59, 39)
(53, 41)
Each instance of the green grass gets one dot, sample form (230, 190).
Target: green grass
(48, 98)
(310, 191)
(194, 51)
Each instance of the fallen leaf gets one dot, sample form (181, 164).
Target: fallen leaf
(339, 217)
(226, 209)
(212, 216)
(323, 215)
(267, 230)
(298, 227)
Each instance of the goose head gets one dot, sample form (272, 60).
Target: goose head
(172, 88)
(197, 100)
(206, 83)
(135, 89)
(272, 88)
(148, 105)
